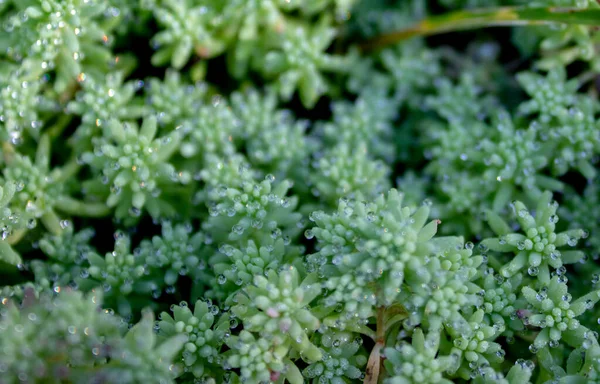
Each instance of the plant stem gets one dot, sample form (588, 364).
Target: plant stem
(59, 126)
(69, 170)
(75, 207)
(478, 18)
(374, 363)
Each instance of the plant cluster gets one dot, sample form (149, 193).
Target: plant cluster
(276, 191)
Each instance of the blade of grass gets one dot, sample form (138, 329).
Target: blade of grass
(472, 19)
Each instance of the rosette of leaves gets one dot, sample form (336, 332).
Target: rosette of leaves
(63, 36)
(514, 160)
(551, 95)
(19, 103)
(235, 268)
(501, 298)
(366, 121)
(474, 345)
(343, 359)
(257, 111)
(413, 68)
(536, 247)
(173, 100)
(276, 307)
(442, 295)
(448, 285)
(40, 190)
(142, 358)
(267, 132)
(188, 28)
(498, 164)
(449, 145)
(461, 261)
(365, 74)
(133, 170)
(460, 103)
(102, 98)
(52, 339)
(348, 171)
(67, 257)
(259, 361)
(249, 22)
(574, 139)
(417, 362)
(566, 120)
(366, 250)
(211, 130)
(253, 210)
(219, 172)
(296, 61)
(119, 274)
(204, 336)
(556, 316)
(67, 338)
(284, 144)
(176, 252)
(461, 193)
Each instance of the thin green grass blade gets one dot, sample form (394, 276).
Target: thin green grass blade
(472, 19)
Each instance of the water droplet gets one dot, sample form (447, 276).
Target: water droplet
(276, 233)
(523, 213)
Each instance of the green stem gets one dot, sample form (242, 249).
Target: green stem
(59, 126)
(478, 18)
(68, 170)
(79, 208)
